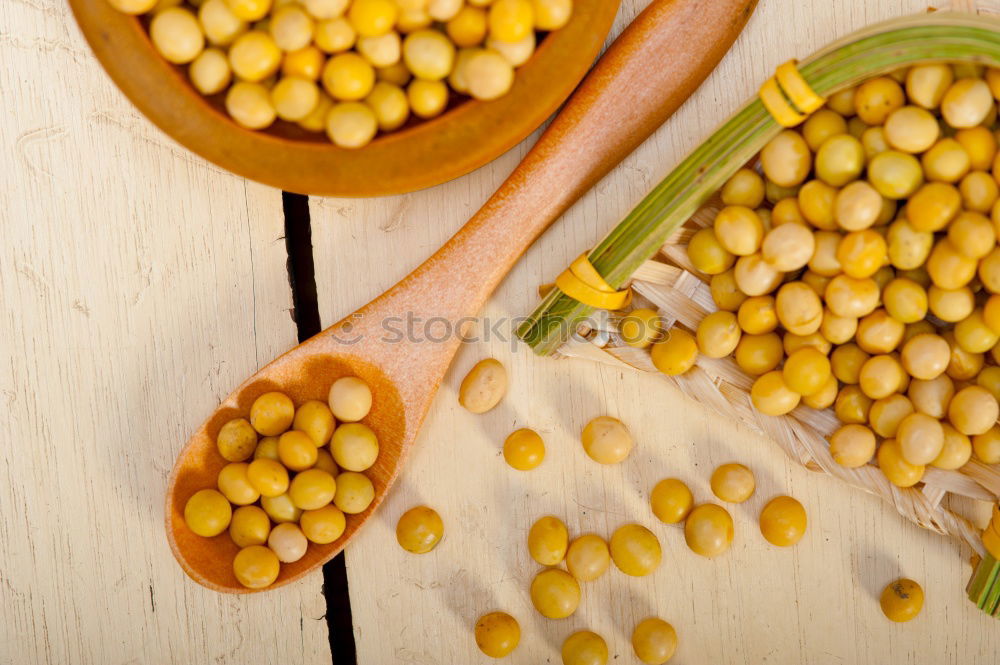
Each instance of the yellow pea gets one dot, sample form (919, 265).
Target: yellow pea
(236, 440)
(272, 413)
(524, 450)
(588, 557)
(555, 593)
(671, 500)
(548, 540)
(268, 476)
(584, 648)
(635, 550)
(207, 513)
(323, 525)
(312, 489)
(783, 521)
(256, 567)
(484, 386)
(606, 440)
(249, 526)
(288, 542)
(902, 600)
(708, 530)
(654, 641)
(419, 530)
(235, 485)
(355, 492)
(497, 634)
(733, 483)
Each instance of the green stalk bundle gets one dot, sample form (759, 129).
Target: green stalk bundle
(939, 36)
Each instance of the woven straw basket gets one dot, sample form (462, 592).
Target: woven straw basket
(668, 283)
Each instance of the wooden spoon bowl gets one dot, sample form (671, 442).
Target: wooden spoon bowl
(629, 93)
(426, 153)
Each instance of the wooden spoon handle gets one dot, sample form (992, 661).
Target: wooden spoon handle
(653, 66)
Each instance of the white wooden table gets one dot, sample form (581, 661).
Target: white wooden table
(139, 285)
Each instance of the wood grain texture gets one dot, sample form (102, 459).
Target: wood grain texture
(138, 285)
(815, 603)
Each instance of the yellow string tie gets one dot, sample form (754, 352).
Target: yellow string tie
(991, 540)
(583, 283)
(796, 89)
(788, 97)
(991, 535)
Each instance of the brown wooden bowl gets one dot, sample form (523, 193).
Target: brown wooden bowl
(466, 136)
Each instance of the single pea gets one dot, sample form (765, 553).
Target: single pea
(799, 309)
(840, 160)
(902, 600)
(272, 413)
(177, 35)
(786, 159)
(382, 51)
(220, 25)
(946, 162)
(588, 557)
(256, 567)
(733, 483)
(955, 452)
(427, 99)
(920, 438)
(254, 56)
(896, 469)
(966, 103)
(488, 75)
(584, 648)
(355, 492)
(879, 333)
(210, 72)
(511, 20)
(306, 63)
(821, 125)
(973, 410)
(755, 276)
(236, 440)
(548, 540)
(312, 489)
(323, 525)
(894, 174)
(783, 521)
(817, 201)
(419, 530)
(926, 84)
(552, 14)
(296, 450)
(391, 107)
(739, 230)
(606, 440)
(373, 17)
(708, 530)
(932, 396)
(676, 353)
(852, 405)
(718, 334)
(635, 550)
(671, 500)
(497, 634)
(881, 375)
(524, 449)
(852, 445)
(207, 513)
(707, 254)
(759, 354)
(335, 35)
(887, 413)
(249, 526)
(235, 485)
(348, 77)
(824, 397)
(326, 8)
(516, 53)
(876, 98)
(429, 54)
(291, 27)
(280, 508)
(354, 447)
(269, 477)
(249, 104)
(911, 129)
(468, 27)
(640, 327)
(555, 593)
(315, 419)
(316, 121)
(654, 641)
(350, 399)
(288, 542)
(772, 396)
(134, 7)
(294, 98)
(987, 446)
(744, 188)
(725, 294)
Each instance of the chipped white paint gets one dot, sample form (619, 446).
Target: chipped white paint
(138, 285)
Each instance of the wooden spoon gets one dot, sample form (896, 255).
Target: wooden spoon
(646, 74)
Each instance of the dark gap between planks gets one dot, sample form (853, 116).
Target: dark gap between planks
(305, 313)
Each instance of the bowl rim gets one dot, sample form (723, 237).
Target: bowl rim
(462, 139)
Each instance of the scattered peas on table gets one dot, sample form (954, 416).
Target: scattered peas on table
(349, 68)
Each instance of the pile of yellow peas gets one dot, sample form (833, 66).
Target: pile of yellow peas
(858, 268)
(293, 477)
(350, 68)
